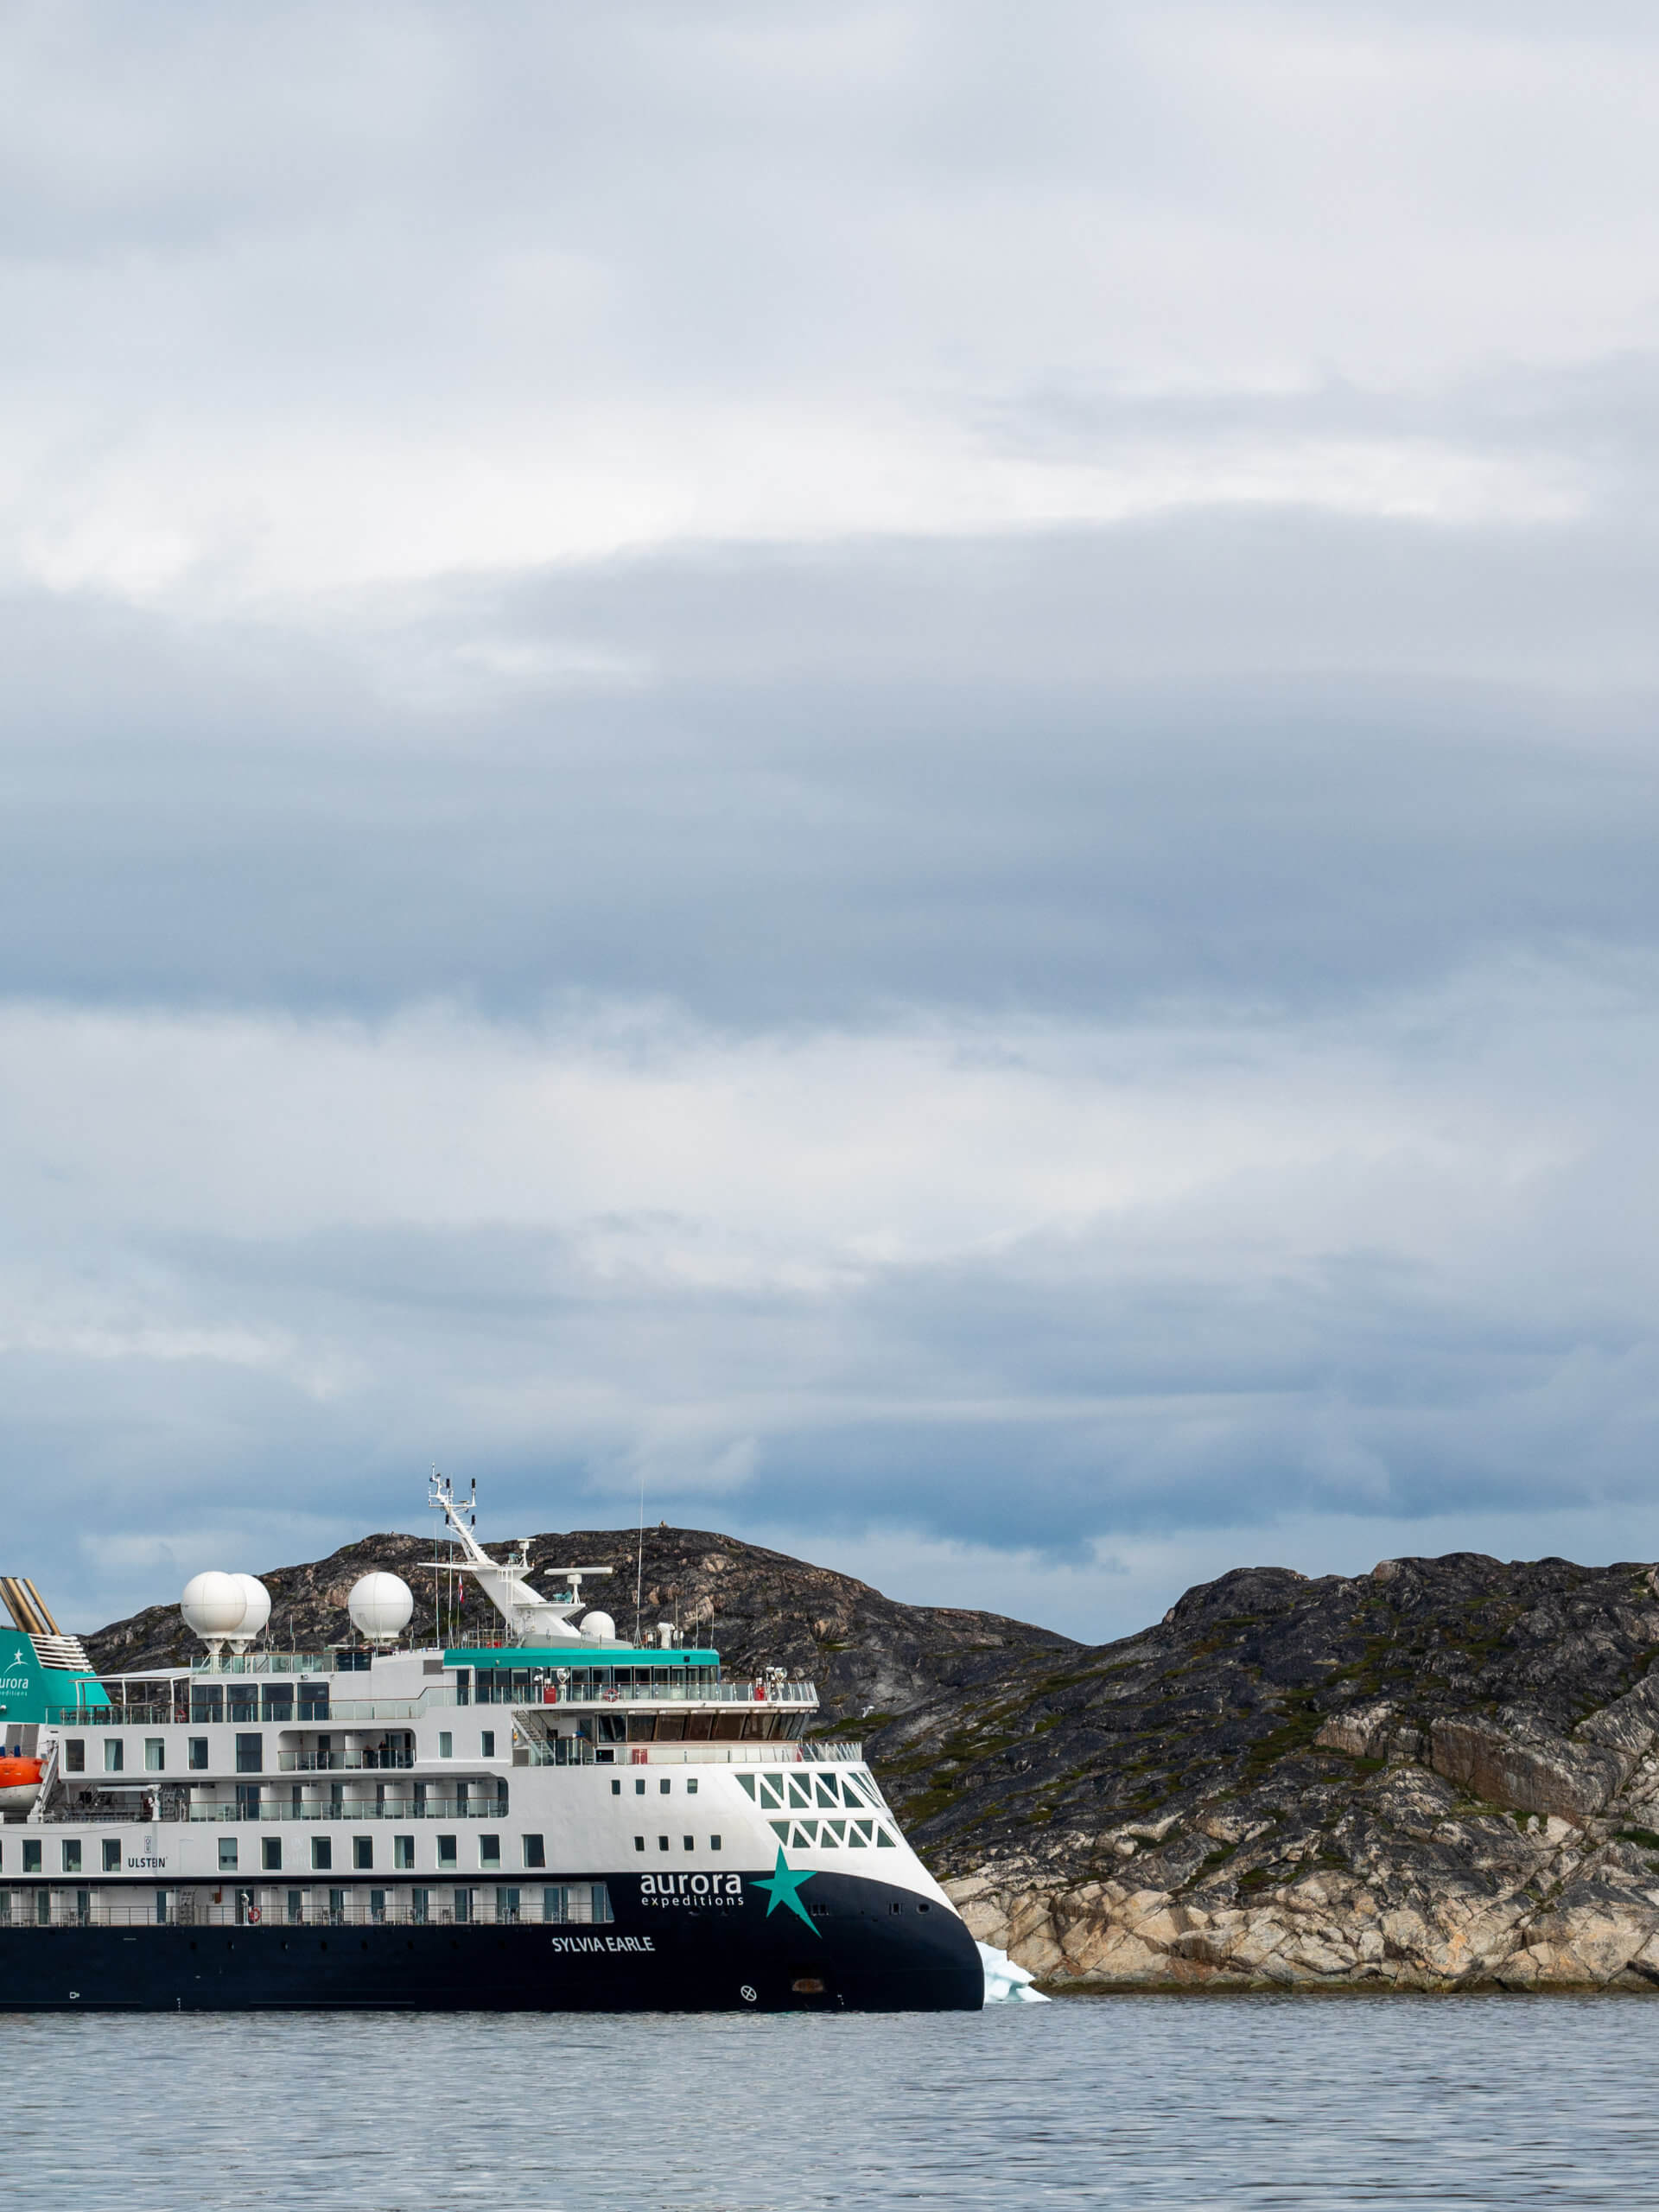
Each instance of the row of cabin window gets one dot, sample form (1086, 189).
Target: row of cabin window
(70, 1861)
(249, 1752)
(562, 1903)
(532, 1853)
(565, 1903)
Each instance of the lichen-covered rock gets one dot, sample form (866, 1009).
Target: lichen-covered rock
(1444, 1775)
(1569, 1779)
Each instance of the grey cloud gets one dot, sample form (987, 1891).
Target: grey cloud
(1224, 766)
(1049, 1402)
(1269, 760)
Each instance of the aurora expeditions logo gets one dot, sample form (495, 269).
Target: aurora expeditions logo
(710, 1891)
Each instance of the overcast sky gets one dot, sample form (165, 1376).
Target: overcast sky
(894, 765)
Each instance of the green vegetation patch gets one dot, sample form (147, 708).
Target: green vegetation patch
(920, 1810)
(1295, 1733)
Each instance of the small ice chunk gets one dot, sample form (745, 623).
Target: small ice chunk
(1006, 1983)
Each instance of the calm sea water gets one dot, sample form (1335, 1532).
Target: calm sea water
(1405, 2102)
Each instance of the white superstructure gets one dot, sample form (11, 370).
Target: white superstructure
(524, 1775)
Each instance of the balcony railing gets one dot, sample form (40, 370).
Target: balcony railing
(661, 1694)
(391, 1808)
(778, 1754)
(341, 1762)
(113, 1716)
(434, 1808)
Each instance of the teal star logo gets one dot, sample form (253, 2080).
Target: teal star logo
(783, 1888)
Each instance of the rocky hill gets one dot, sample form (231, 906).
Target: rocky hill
(1442, 1774)
(758, 1608)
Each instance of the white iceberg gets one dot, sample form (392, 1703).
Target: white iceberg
(1006, 1983)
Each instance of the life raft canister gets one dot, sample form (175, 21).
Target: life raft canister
(20, 1784)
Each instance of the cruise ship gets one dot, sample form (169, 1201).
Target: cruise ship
(540, 1817)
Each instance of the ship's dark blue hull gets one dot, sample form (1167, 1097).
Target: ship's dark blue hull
(867, 1946)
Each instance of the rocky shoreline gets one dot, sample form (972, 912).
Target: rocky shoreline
(1510, 1842)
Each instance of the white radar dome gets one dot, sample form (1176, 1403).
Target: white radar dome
(212, 1604)
(380, 1606)
(599, 1628)
(256, 1608)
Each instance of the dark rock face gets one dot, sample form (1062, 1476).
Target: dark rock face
(1444, 1773)
(1441, 1773)
(758, 1608)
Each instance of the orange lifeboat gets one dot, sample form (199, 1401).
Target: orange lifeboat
(20, 1784)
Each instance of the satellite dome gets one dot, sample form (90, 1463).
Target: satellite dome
(257, 1600)
(380, 1606)
(213, 1606)
(599, 1628)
